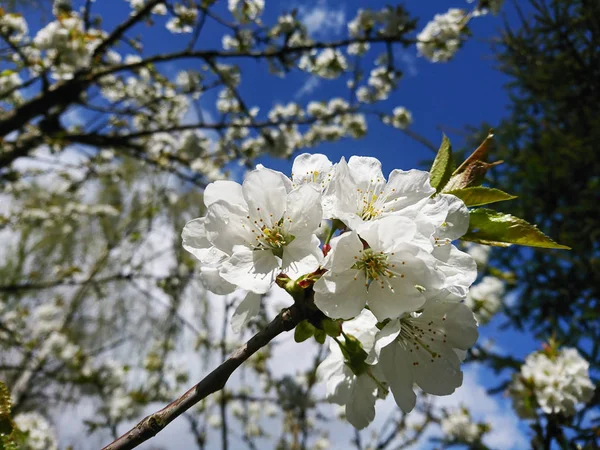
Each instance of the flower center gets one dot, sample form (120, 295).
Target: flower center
(374, 265)
(273, 238)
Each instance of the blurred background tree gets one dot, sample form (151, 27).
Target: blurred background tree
(550, 145)
(549, 142)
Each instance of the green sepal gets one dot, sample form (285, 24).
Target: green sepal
(320, 336)
(443, 166)
(479, 195)
(331, 327)
(304, 330)
(489, 227)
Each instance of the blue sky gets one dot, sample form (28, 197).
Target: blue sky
(466, 91)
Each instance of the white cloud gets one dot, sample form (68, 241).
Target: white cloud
(308, 87)
(322, 19)
(409, 62)
(505, 434)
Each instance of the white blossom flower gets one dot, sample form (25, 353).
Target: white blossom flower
(485, 298)
(184, 19)
(13, 26)
(480, 253)
(246, 10)
(259, 229)
(382, 267)
(428, 350)
(67, 45)
(214, 421)
(40, 434)
(357, 392)
(555, 381)
(458, 425)
(329, 63)
(442, 37)
(137, 5)
(401, 117)
(196, 242)
(322, 444)
(362, 193)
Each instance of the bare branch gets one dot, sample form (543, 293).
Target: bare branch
(213, 382)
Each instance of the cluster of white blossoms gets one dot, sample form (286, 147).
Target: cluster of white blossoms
(485, 298)
(39, 432)
(442, 37)
(459, 426)
(555, 381)
(386, 276)
(400, 118)
(67, 45)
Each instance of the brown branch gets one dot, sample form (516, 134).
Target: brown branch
(213, 382)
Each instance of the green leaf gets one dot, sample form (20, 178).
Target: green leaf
(442, 166)
(479, 195)
(303, 331)
(489, 227)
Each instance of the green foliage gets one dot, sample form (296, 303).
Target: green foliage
(550, 143)
(490, 227)
(478, 195)
(442, 166)
(8, 431)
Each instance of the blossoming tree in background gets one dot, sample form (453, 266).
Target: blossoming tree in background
(107, 153)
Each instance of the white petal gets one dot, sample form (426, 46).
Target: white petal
(340, 296)
(226, 226)
(438, 377)
(388, 304)
(246, 310)
(383, 338)
(360, 409)
(388, 233)
(334, 372)
(460, 323)
(345, 249)
(459, 269)
(265, 192)
(405, 188)
(251, 270)
(301, 256)
(310, 168)
(394, 362)
(303, 211)
(341, 197)
(366, 170)
(213, 281)
(225, 190)
(364, 328)
(457, 221)
(194, 238)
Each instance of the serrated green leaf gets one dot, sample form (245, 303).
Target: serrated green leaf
(489, 227)
(443, 165)
(303, 331)
(479, 195)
